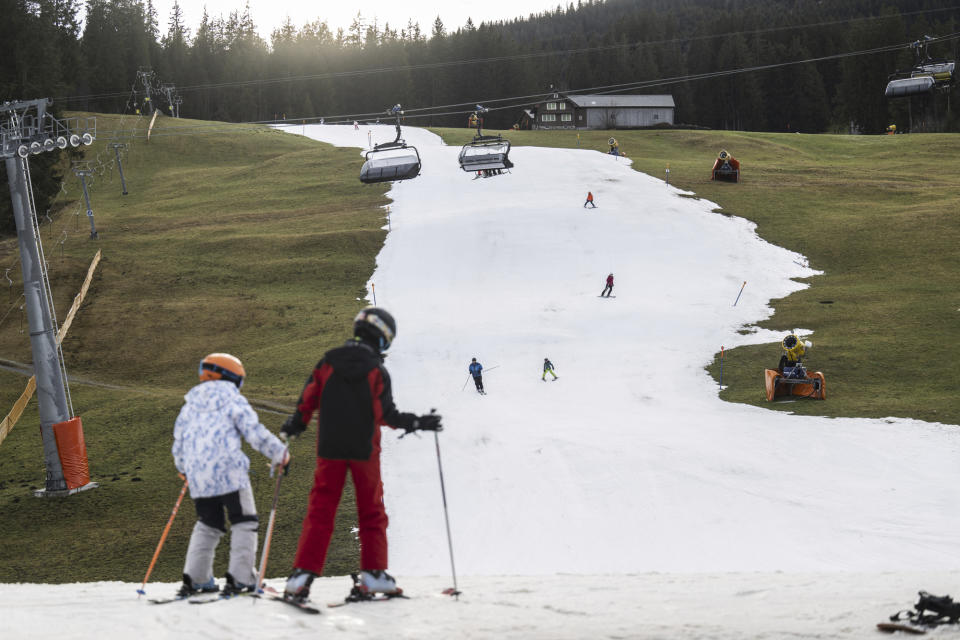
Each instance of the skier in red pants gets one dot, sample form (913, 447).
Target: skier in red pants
(350, 389)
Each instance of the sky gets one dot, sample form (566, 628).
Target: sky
(269, 15)
(623, 499)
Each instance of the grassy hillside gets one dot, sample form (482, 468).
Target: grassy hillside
(245, 240)
(879, 215)
(235, 239)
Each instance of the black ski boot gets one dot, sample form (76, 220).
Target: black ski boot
(233, 588)
(298, 586)
(190, 588)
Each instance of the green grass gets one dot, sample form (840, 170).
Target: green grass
(243, 240)
(879, 215)
(258, 243)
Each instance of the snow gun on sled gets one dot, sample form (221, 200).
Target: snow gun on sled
(791, 378)
(726, 168)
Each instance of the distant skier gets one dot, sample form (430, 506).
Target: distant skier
(614, 146)
(350, 390)
(476, 370)
(356, 126)
(607, 290)
(548, 368)
(589, 200)
(207, 448)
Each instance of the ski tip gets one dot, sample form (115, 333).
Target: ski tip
(451, 592)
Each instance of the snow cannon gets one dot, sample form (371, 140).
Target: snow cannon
(726, 168)
(791, 378)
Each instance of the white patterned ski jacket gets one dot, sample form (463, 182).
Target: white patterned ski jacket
(207, 439)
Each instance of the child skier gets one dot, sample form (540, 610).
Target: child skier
(589, 201)
(607, 290)
(476, 370)
(548, 368)
(207, 439)
(350, 390)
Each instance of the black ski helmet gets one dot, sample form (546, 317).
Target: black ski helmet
(376, 325)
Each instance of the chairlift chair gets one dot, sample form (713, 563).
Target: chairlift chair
(485, 153)
(926, 75)
(391, 161)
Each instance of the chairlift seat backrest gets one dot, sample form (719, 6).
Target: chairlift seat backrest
(909, 86)
(391, 165)
(481, 156)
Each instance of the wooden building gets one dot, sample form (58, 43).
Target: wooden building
(577, 111)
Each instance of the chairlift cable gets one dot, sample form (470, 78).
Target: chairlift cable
(521, 56)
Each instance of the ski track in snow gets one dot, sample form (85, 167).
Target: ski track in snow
(624, 500)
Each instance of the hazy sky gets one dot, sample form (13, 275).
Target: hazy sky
(270, 14)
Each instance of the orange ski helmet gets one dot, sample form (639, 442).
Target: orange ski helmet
(222, 366)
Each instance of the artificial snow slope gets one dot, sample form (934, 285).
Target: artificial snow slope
(623, 500)
(628, 462)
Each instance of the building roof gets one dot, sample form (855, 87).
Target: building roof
(607, 101)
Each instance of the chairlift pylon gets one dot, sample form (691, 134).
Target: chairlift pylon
(391, 161)
(489, 154)
(925, 76)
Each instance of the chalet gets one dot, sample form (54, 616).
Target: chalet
(574, 111)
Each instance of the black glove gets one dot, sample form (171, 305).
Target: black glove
(426, 422)
(292, 427)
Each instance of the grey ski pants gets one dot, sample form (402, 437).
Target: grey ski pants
(210, 527)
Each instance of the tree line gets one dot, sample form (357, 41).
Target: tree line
(224, 70)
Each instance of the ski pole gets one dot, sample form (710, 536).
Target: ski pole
(454, 591)
(465, 382)
(269, 537)
(738, 295)
(163, 537)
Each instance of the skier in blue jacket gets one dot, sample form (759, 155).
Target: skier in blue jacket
(475, 370)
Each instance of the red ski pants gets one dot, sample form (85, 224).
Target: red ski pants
(328, 480)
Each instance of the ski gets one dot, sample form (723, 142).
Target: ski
(165, 600)
(221, 597)
(378, 598)
(891, 627)
(306, 608)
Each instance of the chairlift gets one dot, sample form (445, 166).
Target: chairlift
(925, 76)
(391, 161)
(489, 154)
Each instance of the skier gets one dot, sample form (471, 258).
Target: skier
(476, 370)
(607, 290)
(207, 439)
(356, 126)
(793, 351)
(614, 146)
(589, 200)
(350, 390)
(548, 368)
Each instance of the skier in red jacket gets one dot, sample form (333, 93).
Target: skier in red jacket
(350, 389)
(607, 290)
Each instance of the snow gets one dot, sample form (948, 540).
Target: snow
(624, 500)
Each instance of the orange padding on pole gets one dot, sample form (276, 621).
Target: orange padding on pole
(73, 452)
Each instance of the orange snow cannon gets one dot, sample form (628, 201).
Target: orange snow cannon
(726, 168)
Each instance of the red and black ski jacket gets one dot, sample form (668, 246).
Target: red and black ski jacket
(350, 388)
